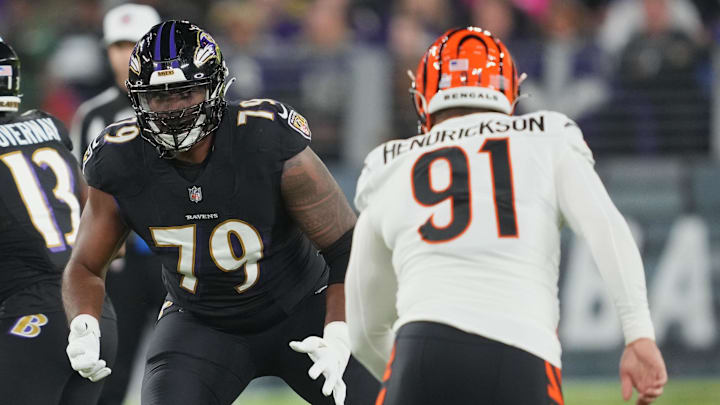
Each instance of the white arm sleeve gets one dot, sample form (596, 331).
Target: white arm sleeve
(587, 208)
(370, 298)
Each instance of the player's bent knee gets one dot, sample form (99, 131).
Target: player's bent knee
(164, 384)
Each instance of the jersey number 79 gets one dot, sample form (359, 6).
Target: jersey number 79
(221, 250)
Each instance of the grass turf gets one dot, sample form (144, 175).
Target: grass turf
(679, 391)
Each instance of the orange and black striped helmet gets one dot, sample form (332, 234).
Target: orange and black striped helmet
(465, 67)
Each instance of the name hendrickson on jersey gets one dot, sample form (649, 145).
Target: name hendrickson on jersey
(28, 132)
(393, 149)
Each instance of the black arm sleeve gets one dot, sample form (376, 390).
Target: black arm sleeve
(337, 256)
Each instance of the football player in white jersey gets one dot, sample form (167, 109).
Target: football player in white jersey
(453, 275)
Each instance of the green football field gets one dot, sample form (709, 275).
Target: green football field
(580, 392)
(679, 391)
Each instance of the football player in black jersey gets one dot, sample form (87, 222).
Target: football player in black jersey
(43, 192)
(234, 201)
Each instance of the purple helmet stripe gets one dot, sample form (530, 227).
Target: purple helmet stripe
(173, 52)
(158, 39)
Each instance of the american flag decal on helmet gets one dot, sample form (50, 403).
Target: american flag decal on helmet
(458, 65)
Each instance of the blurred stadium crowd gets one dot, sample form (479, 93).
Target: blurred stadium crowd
(636, 74)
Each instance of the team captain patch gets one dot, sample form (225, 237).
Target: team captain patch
(300, 124)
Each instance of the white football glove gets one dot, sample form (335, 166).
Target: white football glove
(83, 348)
(330, 354)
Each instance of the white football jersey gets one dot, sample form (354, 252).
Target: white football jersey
(471, 215)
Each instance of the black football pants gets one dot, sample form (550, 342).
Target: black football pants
(137, 294)
(34, 368)
(192, 363)
(435, 364)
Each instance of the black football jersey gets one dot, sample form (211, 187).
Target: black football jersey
(39, 204)
(231, 253)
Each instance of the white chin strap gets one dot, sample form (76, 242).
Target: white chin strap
(423, 102)
(470, 96)
(227, 86)
(414, 92)
(523, 95)
(9, 103)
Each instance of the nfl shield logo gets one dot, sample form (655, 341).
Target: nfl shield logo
(195, 194)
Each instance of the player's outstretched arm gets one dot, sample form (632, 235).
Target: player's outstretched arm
(315, 200)
(316, 203)
(100, 234)
(642, 367)
(587, 207)
(371, 291)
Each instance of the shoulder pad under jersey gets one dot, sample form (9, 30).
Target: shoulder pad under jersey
(370, 177)
(62, 130)
(561, 124)
(279, 125)
(113, 156)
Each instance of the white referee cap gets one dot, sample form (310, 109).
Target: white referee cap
(128, 22)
